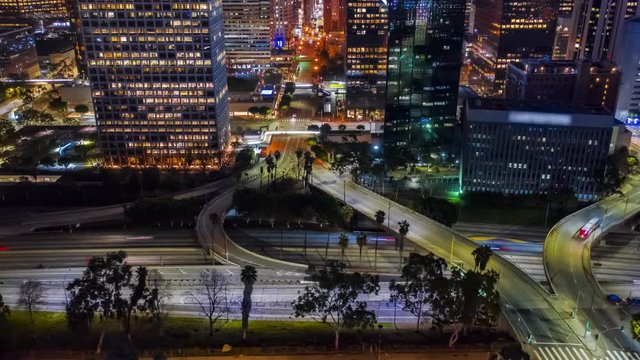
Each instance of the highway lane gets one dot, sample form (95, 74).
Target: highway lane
(525, 233)
(525, 303)
(568, 264)
(614, 260)
(272, 296)
(100, 239)
(289, 245)
(31, 259)
(58, 249)
(94, 214)
(321, 247)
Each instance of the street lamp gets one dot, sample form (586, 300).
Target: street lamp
(64, 287)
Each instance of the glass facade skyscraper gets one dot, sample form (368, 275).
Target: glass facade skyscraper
(366, 68)
(424, 60)
(158, 78)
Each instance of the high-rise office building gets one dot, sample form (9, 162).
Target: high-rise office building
(425, 55)
(522, 149)
(157, 77)
(284, 19)
(334, 15)
(593, 28)
(506, 31)
(36, 8)
(248, 33)
(628, 108)
(562, 40)
(580, 83)
(366, 67)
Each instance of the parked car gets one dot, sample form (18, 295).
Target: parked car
(613, 298)
(633, 301)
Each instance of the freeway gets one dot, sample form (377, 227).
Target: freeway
(58, 249)
(322, 246)
(272, 295)
(315, 247)
(526, 233)
(568, 265)
(614, 260)
(526, 305)
(77, 217)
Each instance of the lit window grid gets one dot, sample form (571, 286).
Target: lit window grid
(44, 8)
(529, 159)
(189, 114)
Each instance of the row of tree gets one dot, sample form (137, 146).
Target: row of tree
(469, 298)
(111, 290)
(287, 206)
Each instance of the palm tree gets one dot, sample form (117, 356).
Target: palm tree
(380, 215)
(481, 256)
(248, 276)
(404, 230)
(361, 240)
(343, 242)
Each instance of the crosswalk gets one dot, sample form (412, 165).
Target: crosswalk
(579, 353)
(296, 120)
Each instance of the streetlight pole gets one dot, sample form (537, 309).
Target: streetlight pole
(326, 250)
(344, 191)
(452, 242)
(626, 203)
(64, 287)
(575, 312)
(389, 215)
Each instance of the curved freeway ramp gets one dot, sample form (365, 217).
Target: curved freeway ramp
(211, 235)
(568, 267)
(525, 304)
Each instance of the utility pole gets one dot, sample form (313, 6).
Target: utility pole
(326, 250)
(305, 246)
(344, 191)
(389, 215)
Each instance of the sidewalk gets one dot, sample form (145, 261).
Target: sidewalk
(432, 355)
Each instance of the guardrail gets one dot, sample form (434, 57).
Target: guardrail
(222, 203)
(507, 309)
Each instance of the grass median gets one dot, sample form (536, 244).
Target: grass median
(190, 334)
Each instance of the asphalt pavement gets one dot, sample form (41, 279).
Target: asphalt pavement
(568, 265)
(526, 305)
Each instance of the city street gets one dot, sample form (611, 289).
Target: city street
(525, 303)
(567, 260)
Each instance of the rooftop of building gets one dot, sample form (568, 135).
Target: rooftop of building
(518, 112)
(567, 67)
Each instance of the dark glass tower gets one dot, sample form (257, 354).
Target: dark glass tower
(425, 56)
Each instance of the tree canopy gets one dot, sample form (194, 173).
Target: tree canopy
(333, 299)
(422, 280)
(100, 291)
